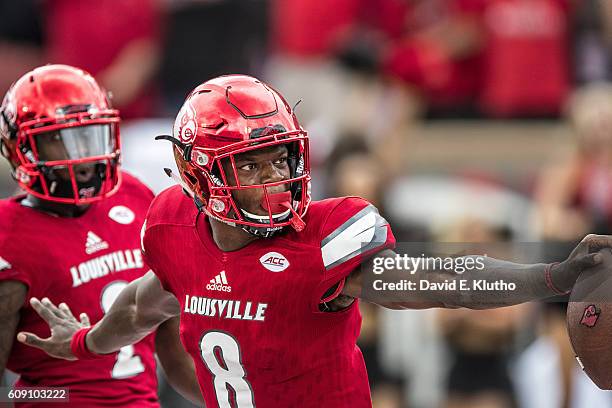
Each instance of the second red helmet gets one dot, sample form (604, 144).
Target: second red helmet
(61, 136)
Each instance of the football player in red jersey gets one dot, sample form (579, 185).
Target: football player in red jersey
(73, 236)
(264, 280)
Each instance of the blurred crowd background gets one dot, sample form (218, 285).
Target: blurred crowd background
(462, 120)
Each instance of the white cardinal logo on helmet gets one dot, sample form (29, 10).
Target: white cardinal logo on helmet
(185, 128)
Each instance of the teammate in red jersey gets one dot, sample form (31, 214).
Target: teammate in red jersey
(73, 235)
(265, 282)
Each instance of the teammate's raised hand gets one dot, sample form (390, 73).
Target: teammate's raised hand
(62, 324)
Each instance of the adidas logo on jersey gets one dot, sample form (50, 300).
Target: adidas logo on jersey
(4, 264)
(219, 283)
(94, 243)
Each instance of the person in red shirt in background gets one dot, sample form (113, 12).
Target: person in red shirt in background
(527, 66)
(501, 58)
(439, 52)
(116, 41)
(304, 28)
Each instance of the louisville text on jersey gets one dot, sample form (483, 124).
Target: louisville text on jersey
(95, 268)
(228, 309)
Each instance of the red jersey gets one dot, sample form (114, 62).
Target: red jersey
(85, 262)
(527, 61)
(307, 28)
(415, 57)
(250, 318)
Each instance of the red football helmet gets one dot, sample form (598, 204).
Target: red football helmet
(61, 136)
(230, 115)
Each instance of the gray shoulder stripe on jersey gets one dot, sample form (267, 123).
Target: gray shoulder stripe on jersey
(363, 232)
(380, 237)
(366, 210)
(4, 264)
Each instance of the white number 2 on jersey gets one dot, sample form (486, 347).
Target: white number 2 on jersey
(221, 354)
(128, 364)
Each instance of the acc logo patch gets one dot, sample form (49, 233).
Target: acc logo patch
(590, 315)
(4, 264)
(275, 262)
(121, 214)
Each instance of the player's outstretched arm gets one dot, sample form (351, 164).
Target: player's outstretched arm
(531, 281)
(177, 364)
(138, 310)
(12, 298)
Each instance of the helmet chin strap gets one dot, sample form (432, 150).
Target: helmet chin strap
(263, 218)
(296, 221)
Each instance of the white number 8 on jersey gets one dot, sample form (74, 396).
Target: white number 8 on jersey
(221, 355)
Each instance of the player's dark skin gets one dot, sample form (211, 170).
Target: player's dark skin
(12, 298)
(258, 167)
(177, 364)
(144, 305)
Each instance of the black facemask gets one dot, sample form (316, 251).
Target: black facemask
(61, 187)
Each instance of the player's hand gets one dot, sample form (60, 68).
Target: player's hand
(62, 324)
(586, 255)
